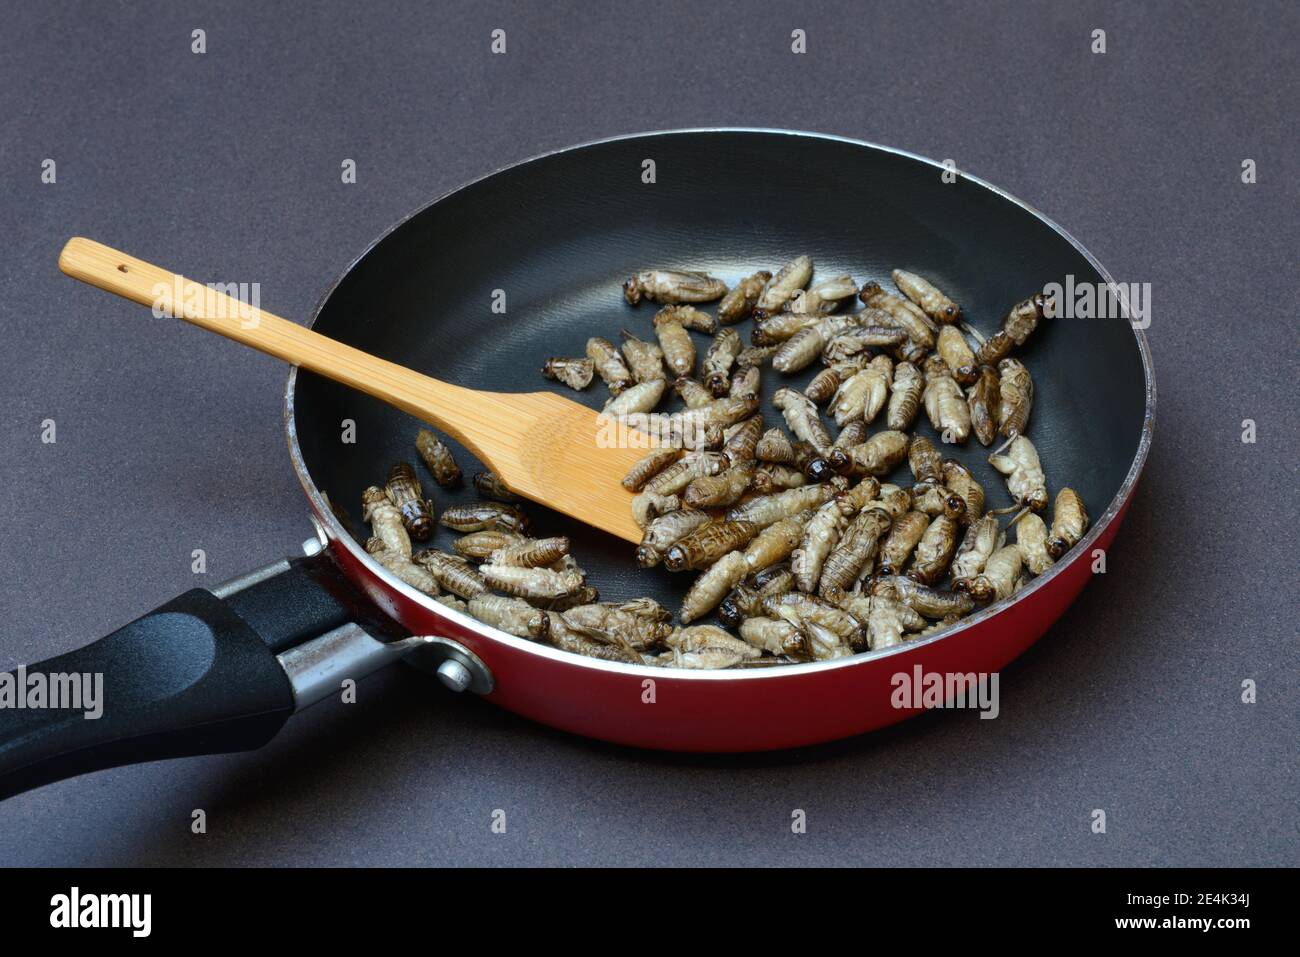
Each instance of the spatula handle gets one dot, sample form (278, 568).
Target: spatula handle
(171, 294)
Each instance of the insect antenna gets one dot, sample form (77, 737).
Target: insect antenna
(1001, 448)
(1018, 516)
(971, 331)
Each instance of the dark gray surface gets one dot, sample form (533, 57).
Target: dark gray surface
(226, 166)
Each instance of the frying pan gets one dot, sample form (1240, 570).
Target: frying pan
(222, 670)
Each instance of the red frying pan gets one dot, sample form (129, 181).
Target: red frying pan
(223, 670)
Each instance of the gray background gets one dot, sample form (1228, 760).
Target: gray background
(226, 166)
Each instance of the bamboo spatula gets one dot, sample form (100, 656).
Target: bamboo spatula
(545, 447)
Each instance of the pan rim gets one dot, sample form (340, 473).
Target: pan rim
(336, 531)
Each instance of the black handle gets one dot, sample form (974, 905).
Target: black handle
(188, 678)
(198, 675)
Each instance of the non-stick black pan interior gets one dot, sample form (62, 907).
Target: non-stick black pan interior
(559, 235)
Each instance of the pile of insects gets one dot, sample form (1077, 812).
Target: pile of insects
(800, 547)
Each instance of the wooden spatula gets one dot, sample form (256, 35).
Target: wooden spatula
(544, 446)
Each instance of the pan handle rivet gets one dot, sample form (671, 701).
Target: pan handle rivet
(454, 675)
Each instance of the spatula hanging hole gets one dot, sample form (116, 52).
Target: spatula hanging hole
(122, 268)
